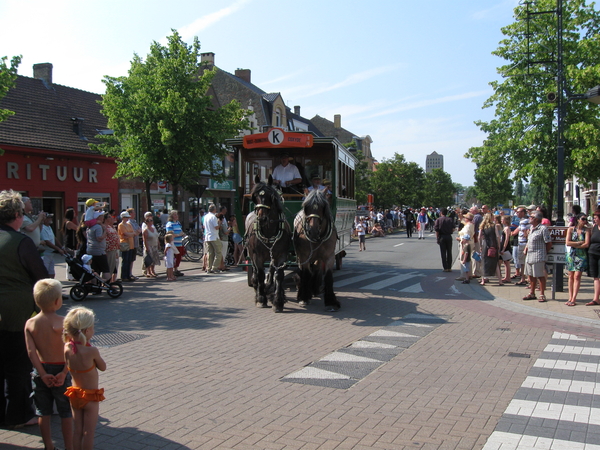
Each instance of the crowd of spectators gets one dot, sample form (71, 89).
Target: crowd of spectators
(491, 241)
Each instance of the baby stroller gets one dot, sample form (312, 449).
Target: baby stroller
(81, 290)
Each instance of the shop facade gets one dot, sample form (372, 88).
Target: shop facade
(57, 180)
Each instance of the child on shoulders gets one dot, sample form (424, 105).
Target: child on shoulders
(43, 335)
(93, 211)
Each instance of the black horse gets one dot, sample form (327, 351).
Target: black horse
(268, 239)
(315, 238)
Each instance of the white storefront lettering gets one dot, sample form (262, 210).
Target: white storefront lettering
(45, 172)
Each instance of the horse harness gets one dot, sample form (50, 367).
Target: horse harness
(320, 239)
(268, 242)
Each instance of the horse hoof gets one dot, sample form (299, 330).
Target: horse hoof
(277, 310)
(303, 302)
(261, 305)
(332, 308)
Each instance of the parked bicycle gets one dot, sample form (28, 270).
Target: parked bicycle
(194, 247)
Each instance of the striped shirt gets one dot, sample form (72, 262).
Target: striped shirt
(175, 228)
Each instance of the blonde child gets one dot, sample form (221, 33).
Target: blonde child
(170, 250)
(83, 362)
(465, 258)
(43, 336)
(93, 211)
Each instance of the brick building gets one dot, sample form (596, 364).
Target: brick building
(46, 155)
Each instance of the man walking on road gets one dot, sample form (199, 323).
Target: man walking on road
(444, 227)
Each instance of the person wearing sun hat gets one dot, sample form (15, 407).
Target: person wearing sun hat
(92, 212)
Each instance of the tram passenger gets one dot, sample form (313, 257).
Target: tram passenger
(287, 175)
(316, 184)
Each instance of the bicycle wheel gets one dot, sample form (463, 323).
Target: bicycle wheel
(194, 251)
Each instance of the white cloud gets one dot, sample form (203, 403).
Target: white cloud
(193, 29)
(499, 8)
(309, 90)
(430, 102)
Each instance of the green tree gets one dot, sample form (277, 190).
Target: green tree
(492, 178)
(470, 197)
(458, 191)
(8, 75)
(439, 189)
(523, 133)
(397, 182)
(165, 125)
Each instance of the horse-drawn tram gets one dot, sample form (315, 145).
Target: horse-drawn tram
(295, 206)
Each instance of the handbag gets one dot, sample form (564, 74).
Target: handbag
(477, 256)
(148, 261)
(506, 256)
(492, 252)
(124, 246)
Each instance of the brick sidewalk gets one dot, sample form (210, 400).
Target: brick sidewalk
(203, 369)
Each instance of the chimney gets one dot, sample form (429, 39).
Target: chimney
(244, 74)
(43, 71)
(207, 58)
(337, 121)
(297, 110)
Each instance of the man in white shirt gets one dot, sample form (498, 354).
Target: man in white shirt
(211, 237)
(286, 175)
(48, 245)
(32, 227)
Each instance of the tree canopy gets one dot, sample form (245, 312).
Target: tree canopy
(8, 75)
(165, 125)
(522, 138)
(439, 189)
(397, 182)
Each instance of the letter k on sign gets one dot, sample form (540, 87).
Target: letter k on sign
(275, 137)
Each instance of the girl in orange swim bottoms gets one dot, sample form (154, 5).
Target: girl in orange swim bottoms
(83, 361)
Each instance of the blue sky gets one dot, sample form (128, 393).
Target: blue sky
(412, 75)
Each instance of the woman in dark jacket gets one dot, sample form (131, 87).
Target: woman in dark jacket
(20, 268)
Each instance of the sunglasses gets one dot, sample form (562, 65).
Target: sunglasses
(584, 218)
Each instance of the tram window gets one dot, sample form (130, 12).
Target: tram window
(319, 166)
(255, 167)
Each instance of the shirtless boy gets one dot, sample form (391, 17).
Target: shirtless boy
(43, 335)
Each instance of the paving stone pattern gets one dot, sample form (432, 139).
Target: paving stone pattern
(558, 404)
(347, 366)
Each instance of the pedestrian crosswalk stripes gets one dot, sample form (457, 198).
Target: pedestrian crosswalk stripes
(557, 411)
(409, 283)
(558, 404)
(355, 279)
(512, 441)
(560, 385)
(389, 281)
(359, 359)
(567, 365)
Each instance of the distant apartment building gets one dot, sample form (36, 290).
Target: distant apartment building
(434, 161)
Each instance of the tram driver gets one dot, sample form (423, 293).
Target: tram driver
(287, 175)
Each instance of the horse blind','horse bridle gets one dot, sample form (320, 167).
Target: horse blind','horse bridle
(305, 229)
(263, 239)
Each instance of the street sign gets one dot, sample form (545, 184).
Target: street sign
(558, 234)
(557, 258)
(276, 137)
(556, 255)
